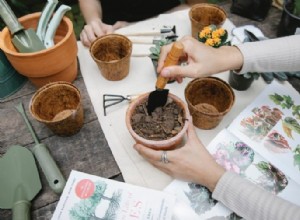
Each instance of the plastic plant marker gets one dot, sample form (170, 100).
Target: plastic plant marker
(20, 181)
(53, 175)
(26, 41)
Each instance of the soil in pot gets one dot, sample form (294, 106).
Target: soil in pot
(164, 123)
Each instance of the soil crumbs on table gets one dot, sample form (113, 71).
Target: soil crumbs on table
(164, 122)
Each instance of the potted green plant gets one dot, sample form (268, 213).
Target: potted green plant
(155, 52)
(242, 82)
(290, 18)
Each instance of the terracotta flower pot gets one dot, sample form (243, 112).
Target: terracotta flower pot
(205, 14)
(157, 144)
(112, 54)
(58, 105)
(209, 99)
(57, 63)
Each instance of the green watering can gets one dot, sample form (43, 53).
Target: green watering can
(20, 181)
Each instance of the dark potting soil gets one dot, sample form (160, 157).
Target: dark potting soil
(164, 122)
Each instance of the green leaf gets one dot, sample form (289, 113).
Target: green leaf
(297, 160)
(289, 101)
(277, 99)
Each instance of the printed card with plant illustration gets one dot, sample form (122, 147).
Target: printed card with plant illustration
(91, 197)
(271, 126)
(262, 145)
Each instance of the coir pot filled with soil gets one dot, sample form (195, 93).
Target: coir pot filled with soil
(164, 129)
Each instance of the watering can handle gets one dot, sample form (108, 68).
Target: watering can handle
(21, 210)
(53, 175)
(9, 18)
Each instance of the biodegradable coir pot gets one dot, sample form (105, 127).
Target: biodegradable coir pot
(57, 63)
(58, 105)
(112, 53)
(167, 144)
(205, 14)
(209, 99)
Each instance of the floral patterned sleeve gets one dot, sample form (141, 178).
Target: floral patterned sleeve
(252, 202)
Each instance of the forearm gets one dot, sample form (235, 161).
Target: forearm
(90, 9)
(252, 202)
(228, 58)
(280, 54)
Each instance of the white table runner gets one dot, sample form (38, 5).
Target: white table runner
(141, 79)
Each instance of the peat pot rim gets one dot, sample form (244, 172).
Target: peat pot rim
(212, 114)
(163, 144)
(206, 5)
(95, 42)
(43, 89)
(33, 16)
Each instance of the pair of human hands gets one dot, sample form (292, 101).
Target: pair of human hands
(193, 162)
(96, 28)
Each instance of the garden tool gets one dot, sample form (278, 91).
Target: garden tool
(158, 97)
(26, 41)
(53, 175)
(115, 99)
(53, 24)
(45, 17)
(20, 181)
(150, 39)
(153, 32)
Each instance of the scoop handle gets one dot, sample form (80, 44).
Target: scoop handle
(9, 18)
(21, 210)
(172, 59)
(53, 175)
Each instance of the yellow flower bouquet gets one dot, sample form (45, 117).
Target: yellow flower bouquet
(213, 36)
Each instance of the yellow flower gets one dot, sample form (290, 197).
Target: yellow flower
(213, 36)
(218, 33)
(205, 33)
(213, 42)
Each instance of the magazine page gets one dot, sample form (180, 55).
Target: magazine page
(236, 156)
(91, 197)
(271, 126)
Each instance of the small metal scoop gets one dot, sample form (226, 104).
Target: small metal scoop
(158, 97)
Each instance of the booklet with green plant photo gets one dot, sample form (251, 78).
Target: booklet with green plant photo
(87, 196)
(262, 144)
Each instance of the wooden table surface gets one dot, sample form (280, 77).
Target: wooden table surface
(86, 151)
